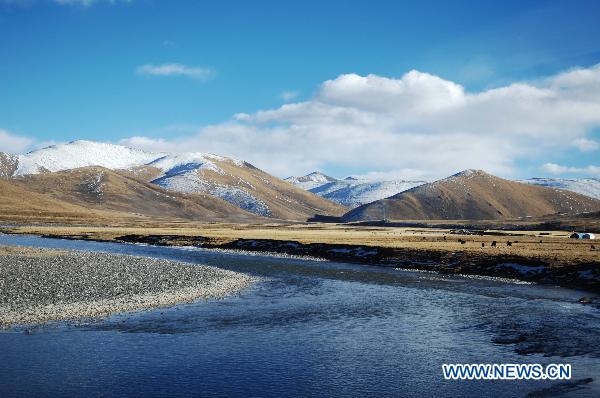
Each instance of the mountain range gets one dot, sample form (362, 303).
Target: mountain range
(86, 180)
(351, 191)
(194, 185)
(474, 195)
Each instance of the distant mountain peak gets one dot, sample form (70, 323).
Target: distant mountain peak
(311, 180)
(471, 173)
(317, 176)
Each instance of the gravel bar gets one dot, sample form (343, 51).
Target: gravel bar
(40, 285)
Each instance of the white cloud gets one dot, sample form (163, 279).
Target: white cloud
(554, 168)
(417, 122)
(586, 145)
(14, 143)
(175, 70)
(392, 175)
(289, 95)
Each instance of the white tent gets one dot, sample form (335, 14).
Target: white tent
(583, 235)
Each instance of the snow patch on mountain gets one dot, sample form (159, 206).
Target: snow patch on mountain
(310, 181)
(93, 185)
(241, 198)
(354, 193)
(584, 186)
(184, 172)
(81, 154)
(184, 162)
(182, 178)
(351, 191)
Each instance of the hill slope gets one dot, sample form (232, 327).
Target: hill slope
(474, 195)
(102, 189)
(234, 181)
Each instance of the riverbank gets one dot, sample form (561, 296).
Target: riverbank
(548, 257)
(40, 285)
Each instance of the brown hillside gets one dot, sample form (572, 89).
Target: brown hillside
(285, 200)
(474, 195)
(101, 189)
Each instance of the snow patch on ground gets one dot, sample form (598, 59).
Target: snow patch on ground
(523, 269)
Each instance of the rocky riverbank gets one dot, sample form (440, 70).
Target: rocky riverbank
(39, 285)
(583, 275)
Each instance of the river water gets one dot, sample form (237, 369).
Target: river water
(311, 328)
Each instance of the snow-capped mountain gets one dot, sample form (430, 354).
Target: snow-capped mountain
(585, 186)
(312, 180)
(82, 153)
(474, 195)
(231, 180)
(351, 191)
(354, 193)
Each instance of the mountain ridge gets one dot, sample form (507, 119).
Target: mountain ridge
(237, 182)
(475, 195)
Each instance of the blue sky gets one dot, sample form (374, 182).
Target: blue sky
(171, 75)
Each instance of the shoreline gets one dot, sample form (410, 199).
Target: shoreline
(444, 252)
(546, 257)
(41, 285)
(584, 276)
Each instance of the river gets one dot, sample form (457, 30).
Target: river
(311, 328)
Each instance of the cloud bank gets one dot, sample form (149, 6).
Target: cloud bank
(554, 168)
(14, 143)
(418, 122)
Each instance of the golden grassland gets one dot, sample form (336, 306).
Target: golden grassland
(553, 246)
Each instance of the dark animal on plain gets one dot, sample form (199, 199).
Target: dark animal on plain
(483, 245)
(509, 243)
(493, 243)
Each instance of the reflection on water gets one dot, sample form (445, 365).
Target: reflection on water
(312, 328)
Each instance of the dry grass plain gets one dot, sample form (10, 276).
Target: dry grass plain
(552, 246)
